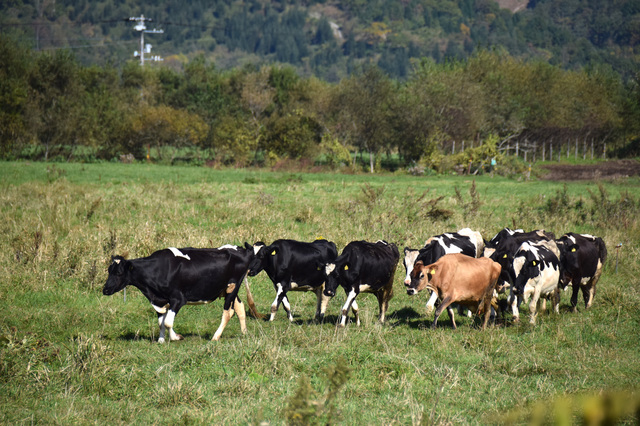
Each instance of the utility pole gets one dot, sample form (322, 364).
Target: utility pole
(142, 28)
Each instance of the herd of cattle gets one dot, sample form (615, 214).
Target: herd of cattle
(457, 268)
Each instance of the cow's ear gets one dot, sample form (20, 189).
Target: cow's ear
(419, 264)
(432, 269)
(320, 266)
(248, 246)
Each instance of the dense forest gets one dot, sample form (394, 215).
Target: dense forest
(331, 39)
(269, 82)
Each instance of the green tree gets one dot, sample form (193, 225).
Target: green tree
(365, 102)
(14, 95)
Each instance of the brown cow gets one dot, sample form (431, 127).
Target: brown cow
(458, 279)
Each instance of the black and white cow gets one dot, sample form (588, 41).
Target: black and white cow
(363, 267)
(465, 241)
(502, 249)
(172, 278)
(537, 269)
(582, 257)
(293, 266)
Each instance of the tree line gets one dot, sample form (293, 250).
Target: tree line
(55, 108)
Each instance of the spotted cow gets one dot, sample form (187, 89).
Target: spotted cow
(536, 270)
(172, 278)
(502, 249)
(363, 267)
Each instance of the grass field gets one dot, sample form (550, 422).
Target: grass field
(70, 355)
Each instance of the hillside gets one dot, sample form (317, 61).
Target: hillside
(330, 39)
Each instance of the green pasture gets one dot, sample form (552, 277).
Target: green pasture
(69, 355)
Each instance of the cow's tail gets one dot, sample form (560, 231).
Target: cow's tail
(251, 303)
(602, 249)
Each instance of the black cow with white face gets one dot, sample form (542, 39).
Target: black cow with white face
(293, 266)
(172, 278)
(582, 257)
(537, 270)
(465, 241)
(363, 267)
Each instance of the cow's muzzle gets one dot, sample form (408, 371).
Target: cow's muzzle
(412, 291)
(329, 293)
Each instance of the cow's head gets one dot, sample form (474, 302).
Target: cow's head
(505, 260)
(410, 256)
(569, 259)
(118, 278)
(420, 277)
(257, 264)
(338, 273)
(526, 267)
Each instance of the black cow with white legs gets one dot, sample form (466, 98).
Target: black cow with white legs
(363, 267)
(582, 257)
(293, 266)
(172, 278)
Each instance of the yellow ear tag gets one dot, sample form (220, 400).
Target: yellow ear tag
(433, 271)
(273, 253)
(534, 263)
(346, 267)
(573, 250)
(505, 256)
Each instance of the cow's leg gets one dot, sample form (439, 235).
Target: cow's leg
(488, 312)
(161, 317)
(351, 296)
(383, 301)
(227, 313)
(355, 309)
(556, 300)
(533, 305)
(575, 287)
(452, 317)
(443, 305)
(588, 293)
(431, 303)
(513, 301)
(242, 315)
(226, 316)
(168, 323)
(322, 302)
(287, 307)
(280, 294)
(231, 301)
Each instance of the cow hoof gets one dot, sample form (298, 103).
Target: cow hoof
(161, 340)
(177, 338)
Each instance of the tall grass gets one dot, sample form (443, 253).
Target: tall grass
(70, 355)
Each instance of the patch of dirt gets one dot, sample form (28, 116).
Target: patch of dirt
(614, 169)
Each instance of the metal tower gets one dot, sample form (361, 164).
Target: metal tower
(144, 49)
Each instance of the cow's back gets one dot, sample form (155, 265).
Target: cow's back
(464, 278)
